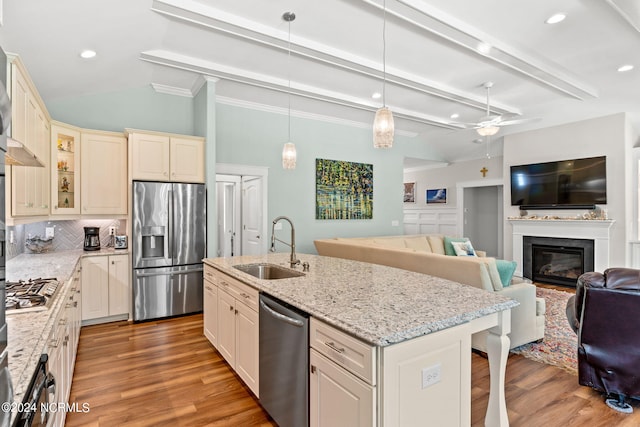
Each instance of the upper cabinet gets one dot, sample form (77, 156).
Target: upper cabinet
(65, 169)
(166, 157)
(103, 166)
(29, 188)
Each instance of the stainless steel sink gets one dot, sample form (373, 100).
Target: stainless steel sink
(268, 271)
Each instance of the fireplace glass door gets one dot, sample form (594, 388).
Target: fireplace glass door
(557, 265)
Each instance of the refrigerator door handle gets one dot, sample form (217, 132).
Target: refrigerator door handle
(170, 242)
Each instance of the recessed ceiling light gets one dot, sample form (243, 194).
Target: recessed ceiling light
(376, 95)
(455, 115)
(87, 54)
(627, 67)
(554, 19)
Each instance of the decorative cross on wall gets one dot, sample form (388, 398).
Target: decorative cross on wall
(484, 171)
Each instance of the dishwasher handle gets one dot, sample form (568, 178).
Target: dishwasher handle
(280, 316)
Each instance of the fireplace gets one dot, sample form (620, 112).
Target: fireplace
(558, 261)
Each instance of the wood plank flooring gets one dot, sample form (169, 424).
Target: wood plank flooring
(165, 373)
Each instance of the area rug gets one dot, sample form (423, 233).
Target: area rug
(559, 347)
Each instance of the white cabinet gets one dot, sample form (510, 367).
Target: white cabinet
(62, 345)
(166, 157)
(103, 168)
(342, 388)
(30, 126)
(65, 169)
(237, 325)
(105, 293)
(210, 310)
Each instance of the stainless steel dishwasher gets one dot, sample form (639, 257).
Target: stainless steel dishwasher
(284, 362)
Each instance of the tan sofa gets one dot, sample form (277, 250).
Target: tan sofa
(426, 254)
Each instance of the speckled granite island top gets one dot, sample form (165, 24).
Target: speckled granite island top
(381, 305)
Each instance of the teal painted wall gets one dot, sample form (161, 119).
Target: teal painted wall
(253, 137)
(140, 108)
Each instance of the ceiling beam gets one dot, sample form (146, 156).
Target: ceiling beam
(200, 66)
(242, 28)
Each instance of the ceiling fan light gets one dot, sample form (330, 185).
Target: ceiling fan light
(383, 128)
(487, 130)
(289, 156)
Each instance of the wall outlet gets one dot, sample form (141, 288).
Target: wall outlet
(278, 226)
(112, 231)
(48, 232)
(395, 223)
(431, 375)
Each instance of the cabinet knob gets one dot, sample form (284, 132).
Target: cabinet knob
(55, 207)
(113, 262)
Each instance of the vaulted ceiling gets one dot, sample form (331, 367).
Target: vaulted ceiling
(439, 54)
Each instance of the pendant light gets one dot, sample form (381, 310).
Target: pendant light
(383, 126)
(289, 149)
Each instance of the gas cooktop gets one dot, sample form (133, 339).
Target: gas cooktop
(30, 294)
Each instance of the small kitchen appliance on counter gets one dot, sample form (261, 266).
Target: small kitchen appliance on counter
(120, 242)
(91, 238)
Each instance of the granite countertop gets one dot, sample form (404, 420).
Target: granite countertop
(28, 331)
(381, 305)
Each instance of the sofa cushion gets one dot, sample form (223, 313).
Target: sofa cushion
(463, 248)
(390, 242)
(496, 281)
(418, 243)
(448, 247)
(437, 244)
(506, 270)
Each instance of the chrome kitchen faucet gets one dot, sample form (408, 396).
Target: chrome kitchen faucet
(293, 261)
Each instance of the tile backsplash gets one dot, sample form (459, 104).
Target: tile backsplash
(68, 234)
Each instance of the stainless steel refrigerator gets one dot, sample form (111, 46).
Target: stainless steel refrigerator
(168, 244)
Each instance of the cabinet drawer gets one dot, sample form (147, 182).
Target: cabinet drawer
(240, 291)
(352, 354)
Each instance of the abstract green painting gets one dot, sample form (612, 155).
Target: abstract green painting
(344, 190)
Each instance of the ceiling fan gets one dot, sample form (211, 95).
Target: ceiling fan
(490, 125)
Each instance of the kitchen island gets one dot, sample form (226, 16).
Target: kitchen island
(411, 320)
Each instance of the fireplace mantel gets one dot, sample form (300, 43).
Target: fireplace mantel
(596, 229)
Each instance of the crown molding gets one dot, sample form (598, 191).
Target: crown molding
(172, 90)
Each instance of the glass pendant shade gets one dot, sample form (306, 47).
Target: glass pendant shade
(383, 128)
(289, 156)
(488, 130)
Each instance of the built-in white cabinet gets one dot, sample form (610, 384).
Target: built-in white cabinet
(65, 169)
(62, 345)
(210, 309)
(105, 294)
(237, 325)
(166, 157)
(342, 388)
(29, 188)
(103, 168)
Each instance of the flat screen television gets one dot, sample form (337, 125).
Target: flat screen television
(566, 184)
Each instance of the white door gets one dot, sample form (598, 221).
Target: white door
(229, 219)
(252, 232)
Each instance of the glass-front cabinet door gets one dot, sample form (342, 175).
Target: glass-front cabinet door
(65, 169)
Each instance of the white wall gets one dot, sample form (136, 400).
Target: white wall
(448, 177)
(606, 136)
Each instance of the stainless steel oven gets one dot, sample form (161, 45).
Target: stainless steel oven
(34, 409)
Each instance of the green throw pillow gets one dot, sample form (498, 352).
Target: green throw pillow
(506, 270)
(448, 247)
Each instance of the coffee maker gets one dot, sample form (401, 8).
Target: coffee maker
(91, 238)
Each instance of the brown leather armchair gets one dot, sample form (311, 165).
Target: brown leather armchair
(605, 313)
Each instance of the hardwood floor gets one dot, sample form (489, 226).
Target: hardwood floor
(165, 373)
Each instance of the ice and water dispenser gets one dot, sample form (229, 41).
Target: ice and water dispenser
(153, 239)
